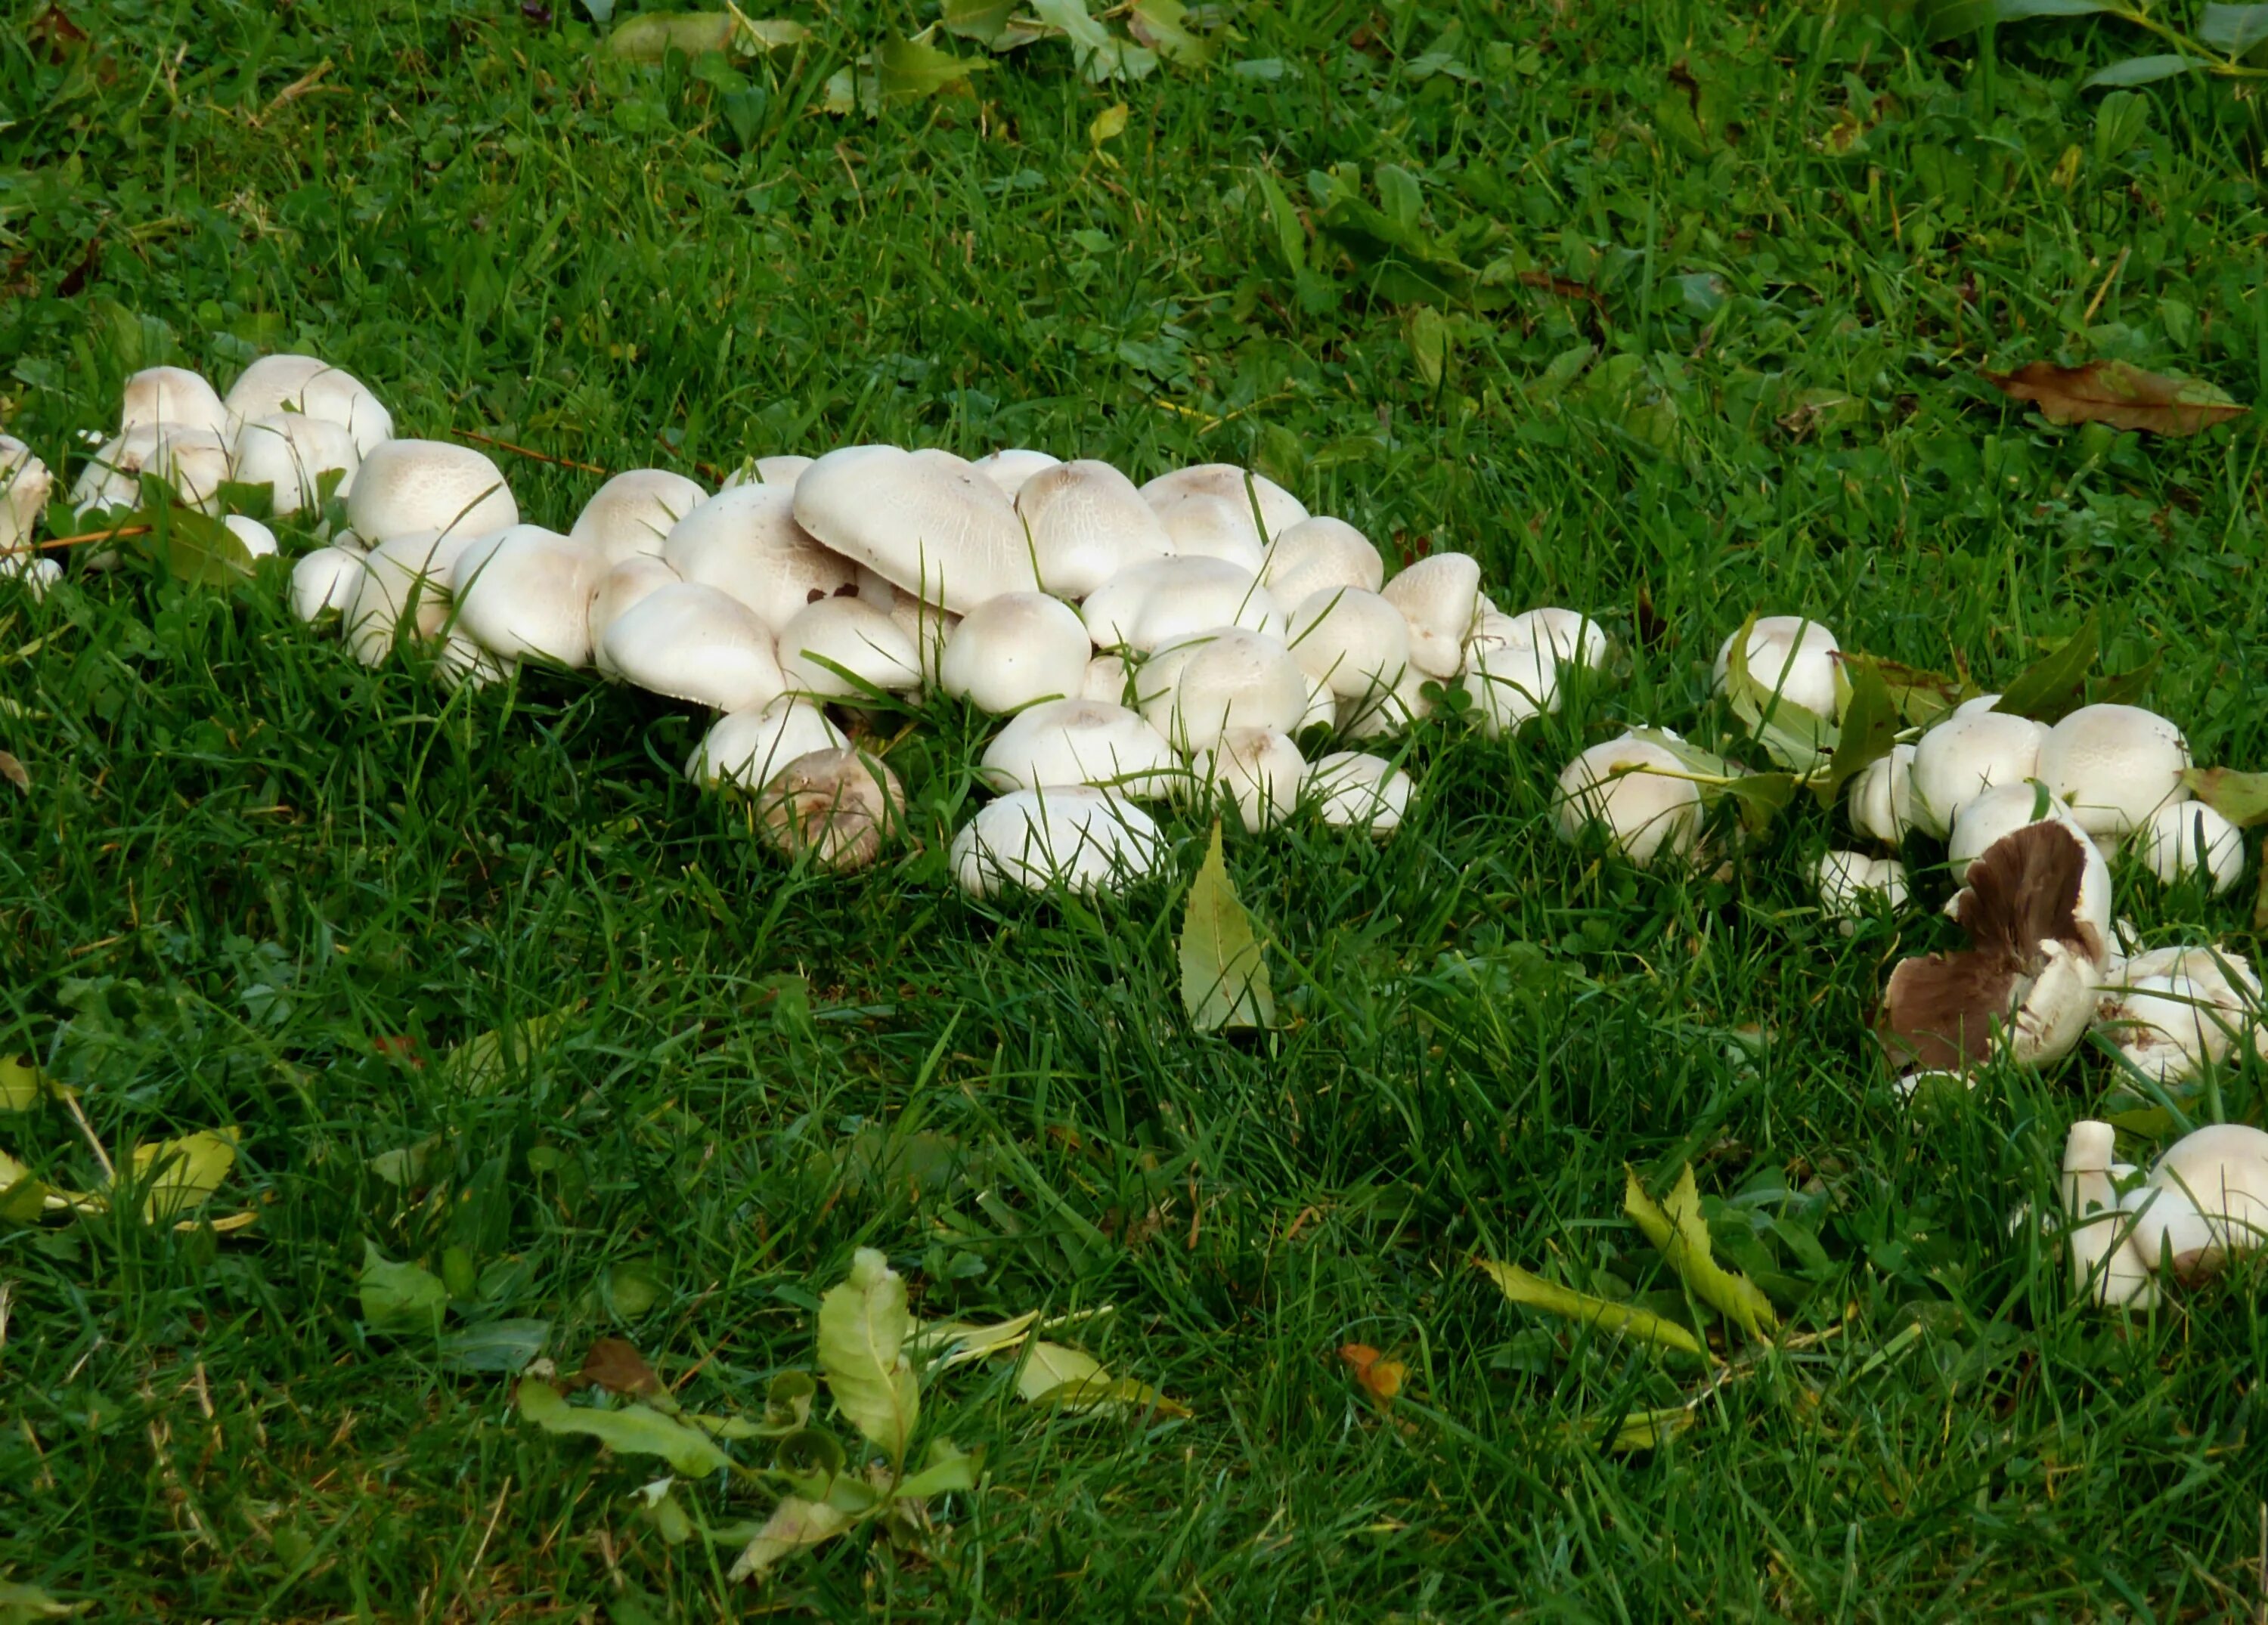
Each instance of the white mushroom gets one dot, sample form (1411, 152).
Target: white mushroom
(406, 487)
(1573, 637)
(325, 582)
(1260, 771)
(2183, 838)
(525, 593)
(1086, 523)
(928, 521)
(625, 585)
(1850, 883)
(1146, 606)
(1353, 641)
(35, 575)
(745, 543)
(2105, 1262)
(691, 642)
(2116, 765)
(775, 470)
(171, 398)
(24, 485)
(2171, 1011)
(404, 576)
(1966, 754)
(290, 454)
(747, 747)
(302, 384)
(1511, 683)
(635, 512)
(929, 628)
(1080, 742)
(1086, 841)
(1198, 525)
(1387, 710)
(1018, 648)
(1354, 791)
(1440, 596)
(1789, 656)
(1639, 793)
(1198, 688)
(194, 461)
(1107, 680)
(257, 540)
(1011, 466)
(1881, 802)
(2206, 1198)
(1277, 510)
(840, 648)
(1999, 811)
(1318, 553)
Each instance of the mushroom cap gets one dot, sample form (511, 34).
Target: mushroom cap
(929, 628)
(747, 747)
(1318, 553)
(928, 521)
(526, 593)
(1106, 679)
(1354, 640)
(1259, 770)
(1018, 648)
(624, 585)
(850, 633)
(1511, 683)
(2206, 1198)
(1440, 596)
(25, 486)
(1572, 637)
(401, 575)
(193, 461)
(1967, 754)
(780, 469)
(1080, 742)
(1385, 711)
(2184, 837)
(1352, 790)
(1212, 527)
(836, 804)
(174, 397)
(1881, 802)
(289, 452)
(325, 582)
(635, 512)
(1789, 655)
(1849, 883)
(1086, 523)
(405, 486)
(35, 575)
(2166, 1026)
(2116, 765)
(1639, 793)
(305, 384)
(691, 642)
(1197, 688)
(1086, 841)
(745, 543)
(1011, 466)
(2091, 909)
(1278, 509)
(1148, 605)
(257, 540)
(1998, 812)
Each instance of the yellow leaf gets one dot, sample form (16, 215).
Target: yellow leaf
(1535, 1292)
(861, 1333)
(1108, 124)
(1682, 1236)
(1223, 977)
(184, 1173)
(21, 1086)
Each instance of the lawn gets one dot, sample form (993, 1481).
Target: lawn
(1687, 319)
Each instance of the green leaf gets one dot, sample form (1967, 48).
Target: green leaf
(1161, 25)
(946, 1469)
(1681, 1235)
(196, 548)
(1952, 18)
(914, 70)
(21, 1086)
(985, 21)
(399, 1297)
(2127, 686)
(2054, 685)
(182, 1175)
(1637, 1429)
(862, 1333)
(1869, 732)
(1061, 1378)
(1758, 798)
(2143, 70)
(632, 1430)
(1920, 698)
(795, 1525)
(505, 1346)
(1101, 54)
(2235, 29)
(1535, 1292)
(1794, 736)
(947, 1343)
(650, 37)
(1291, 237)
(22, 1605)
(2239, 797)
(483, 1062)
(1225, 980)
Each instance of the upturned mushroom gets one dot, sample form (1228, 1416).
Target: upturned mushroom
(746, 748)
(745, 541)
(931, 523)
(2028, 977)
(290, 453)
(841, 648)
(1440, 596)
(1146, 606)
(1789, 656)
(690, 641)
(634, 514)
(408, 487)
(1020, 648)
(1259, 770)
(1198, 688)
(2185, 838)
(306, 385)
(1639, 793)
(525, 593)
(2173, 1011)
(1353, 790)
(1080, 742)
(1317, 553)
(1084, 840)
(836, 806)
(172, 398)
(1086, 522)
(2115, 766)
(1967, 754)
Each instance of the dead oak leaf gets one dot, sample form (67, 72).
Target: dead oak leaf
(2122, 396)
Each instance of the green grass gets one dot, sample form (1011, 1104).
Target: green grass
(245, 866)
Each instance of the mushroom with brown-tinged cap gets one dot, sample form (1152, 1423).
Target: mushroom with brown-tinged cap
(1082, 839)
(1086, 523)
(1440, 596)
(689, 642)
(1637, 792)
(408, 487)
(836, 806)
(745, 543)
(2115, 766)
(635, 512)
(1020, 648)
(747, 747)
(2028, 975)
(931, 523)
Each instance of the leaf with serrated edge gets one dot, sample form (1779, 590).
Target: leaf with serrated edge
(2239, 797)
(628, 1429)
(861, 1333)
(795, 1525)
(1677, 1229)
(1535, 1292)
(184, 1173)
(1225, 980)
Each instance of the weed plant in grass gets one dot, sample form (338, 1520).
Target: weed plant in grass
(1699, 301)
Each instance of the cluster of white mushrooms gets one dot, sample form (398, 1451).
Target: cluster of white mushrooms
(1172, 639)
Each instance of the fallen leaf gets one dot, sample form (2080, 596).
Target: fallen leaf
(618, 1367)
(1678, 1231)
(1637, 1429)
(629, 1430)
(398, 1296)
(861, 1333)
(794, 1525)
(652, 36)
(2122, 396)
(948, 1343)
(183, 1174)
(1062, 1378)
(1380, 1376)
(504, 1346)
(1223, 977)
(2239, 797)
(12, 770)
(22, 1086)
(1798, 739)
(483, 1061)
(1535, 1292)
(2055, 685)
(21, 1605)
(1867, 732)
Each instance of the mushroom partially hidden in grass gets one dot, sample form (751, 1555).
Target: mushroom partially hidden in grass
(1849, 882)
(2183, 838)
(1639, 793)
(2173, 1011)
(2206, 1198)
(2029, 971)
(834, 805)
(1084, 840)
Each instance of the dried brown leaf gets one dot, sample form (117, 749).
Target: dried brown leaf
(614, 1365)
(2122, 396)
(12, 770)
(1380, 1376)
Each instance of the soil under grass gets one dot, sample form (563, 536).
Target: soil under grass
(1727, 281)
